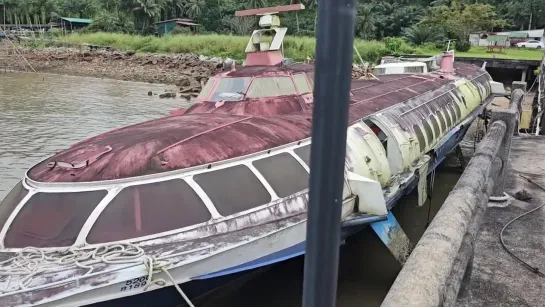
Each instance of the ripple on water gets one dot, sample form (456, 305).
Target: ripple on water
(40, 115)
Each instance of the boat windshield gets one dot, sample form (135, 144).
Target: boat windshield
(11, 201)
(271, 87)
(52, 219)
(229, 89)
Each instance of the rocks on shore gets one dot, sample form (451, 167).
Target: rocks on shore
(167, 95)
(188, 71)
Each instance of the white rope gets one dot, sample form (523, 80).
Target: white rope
(31, 261)
(155, 266)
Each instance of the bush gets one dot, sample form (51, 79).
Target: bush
(111, 22)
(181, 31)
(304, 33)
(296, 48)
(462, 46)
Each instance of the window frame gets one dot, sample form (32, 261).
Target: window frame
(265, 77)
(304, 75)
(113, 187)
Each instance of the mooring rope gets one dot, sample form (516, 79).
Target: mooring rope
(31, 262)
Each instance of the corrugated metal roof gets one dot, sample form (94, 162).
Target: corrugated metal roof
(497, 38)
(77, 20)
(175, 20)
(518, 34)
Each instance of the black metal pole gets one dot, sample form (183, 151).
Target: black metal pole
(334, 56)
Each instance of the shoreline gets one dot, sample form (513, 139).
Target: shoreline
(187, 71)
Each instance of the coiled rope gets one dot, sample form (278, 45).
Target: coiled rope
(31, 261)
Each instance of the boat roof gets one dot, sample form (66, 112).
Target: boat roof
(253, 71)
(216, 134)
(400, 64)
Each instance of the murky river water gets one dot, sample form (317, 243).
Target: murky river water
(39, 117)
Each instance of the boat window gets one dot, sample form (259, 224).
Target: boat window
(435, 122)
(379, 133)
(205, 92)
(149, 209)
(441, 116)
(10, 202)
(447, 117)
(453, 114)
(458, 111)
(302, 84)
(230, 89)
(427, 129)
(52, 219)
(234, 189)
(304, 154)
(420, 137)
(271, 87)
(285, 175)
(310, 78)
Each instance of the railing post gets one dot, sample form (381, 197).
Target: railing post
(511, 117)
(334, 56)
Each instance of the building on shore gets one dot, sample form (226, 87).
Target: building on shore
(481, 39)
(167, 26)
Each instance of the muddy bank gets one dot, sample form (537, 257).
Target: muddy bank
(187, 71)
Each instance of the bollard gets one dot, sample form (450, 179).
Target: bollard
(423, 280)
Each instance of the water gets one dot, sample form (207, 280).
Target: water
(40, 115)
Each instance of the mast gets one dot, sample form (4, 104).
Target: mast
(260, 52)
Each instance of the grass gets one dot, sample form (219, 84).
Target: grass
(509, 53)
(297, 48)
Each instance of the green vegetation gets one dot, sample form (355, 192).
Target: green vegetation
(425, 25)
(376, 19)
(297, 48)
(511, 53)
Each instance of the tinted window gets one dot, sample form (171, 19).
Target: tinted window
(149, 209)
(10, 202)
(427, 129)
(285, 175)
(441, 117)
(458, 111)
(207, 89)
(52, 219)
(453, 113)
(301, 83)
(304, 154)
(420, 137)
(434, 121)
(230, 89)
(271, 87)
(233, 190)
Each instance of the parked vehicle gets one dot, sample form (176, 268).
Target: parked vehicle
(531, 44)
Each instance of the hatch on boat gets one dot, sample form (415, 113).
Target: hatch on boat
(399, 68)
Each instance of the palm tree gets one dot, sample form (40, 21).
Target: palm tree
(254, 4)
(194, 8)
(365, 22)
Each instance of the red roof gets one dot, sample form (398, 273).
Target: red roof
(207, 134)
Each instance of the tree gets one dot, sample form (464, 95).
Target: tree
(365, 22)
(194, 8)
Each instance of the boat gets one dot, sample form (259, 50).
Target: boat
(201, 197)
